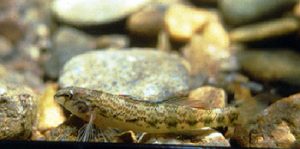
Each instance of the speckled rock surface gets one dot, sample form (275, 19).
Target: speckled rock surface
(17, 111)
(142, 73)
(237, 12)
(276, 127)
(94, 12)
(11, 76)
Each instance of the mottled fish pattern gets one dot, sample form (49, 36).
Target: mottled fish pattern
(123, 112)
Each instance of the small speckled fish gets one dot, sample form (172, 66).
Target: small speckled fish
(117, 111)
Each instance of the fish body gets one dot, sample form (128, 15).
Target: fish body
(123, 112)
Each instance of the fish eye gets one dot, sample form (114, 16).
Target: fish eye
(69, 95)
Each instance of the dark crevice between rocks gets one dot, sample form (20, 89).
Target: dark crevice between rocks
(285, 89)
(137, 41)
(290, 41)
(204, 3)
(281, 88)
(117, 27)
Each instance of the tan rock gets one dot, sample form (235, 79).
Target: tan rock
(209, 97)
(183, 21)
(204, 137)
(264, 30)
(283, 135)
(297, 10)
(215, 139)
(11, 27)
(163, 42)
(215, 33)
(147, 22)
(170, 2)
(5, 47)
(50, 114)
(278, 126)
(114, 41)
(204, 56)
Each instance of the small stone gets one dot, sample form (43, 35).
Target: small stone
(147, 22)
(278, 126)
(183, 21)
(215, 139)
(240, 91)
(203, 137)
(205, 57)
(37, 135)
(11, 27)
(50, 114)
(68, 42)
(170, 2)
(215, 33)
(283, 135)
(209, 97)
(238, 12)
(5, 47)
(163, 42)
(94, 12)
(264, 30)
(274, 65)
(113, 41)
(18, 110)
(4, 4)
(296, 10)
(146, 74)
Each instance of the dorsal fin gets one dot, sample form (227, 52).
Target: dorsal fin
(185, 101)
(179, 100)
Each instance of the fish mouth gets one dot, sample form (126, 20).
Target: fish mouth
(59, 99)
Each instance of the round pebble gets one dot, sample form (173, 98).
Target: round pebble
(68, 42)
(268, 66)
(239, 12)
(94, 12)
(146, 74)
